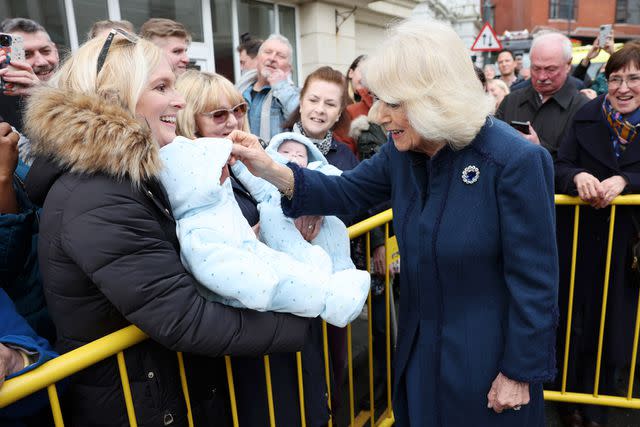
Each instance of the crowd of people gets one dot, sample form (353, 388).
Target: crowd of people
(213, 216)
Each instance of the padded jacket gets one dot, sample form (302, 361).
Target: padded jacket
(109, 257)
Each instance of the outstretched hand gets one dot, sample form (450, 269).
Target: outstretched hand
(246, 148)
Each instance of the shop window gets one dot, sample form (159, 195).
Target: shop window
(187, 12)
(562, 9)
(627, 12)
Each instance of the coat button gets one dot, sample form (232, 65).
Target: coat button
(167, 211)
(168, 419)
(150, 194)
(150, 375)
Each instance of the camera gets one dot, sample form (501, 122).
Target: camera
(5, 40)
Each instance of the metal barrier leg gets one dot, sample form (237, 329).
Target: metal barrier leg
(634, 352)
(303, 417)
(605, 294)
(128, 399)
(55, 405)
(327, 371)
(267, 373)
(572, 283)
(350, 367)
(185, 387)
(232, 391)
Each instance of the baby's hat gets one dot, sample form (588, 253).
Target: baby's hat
(313, 152)
(192, 170)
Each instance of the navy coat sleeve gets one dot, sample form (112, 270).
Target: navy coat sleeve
(16, 231)
(130, 260)
(356, 190)
(527, 228)
(16, 332)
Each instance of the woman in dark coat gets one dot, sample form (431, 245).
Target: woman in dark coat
(599, 160)
(108, 251)
(474, 217)
(214, 108)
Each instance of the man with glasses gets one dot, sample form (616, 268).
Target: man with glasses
(551, 100)
(269, 90)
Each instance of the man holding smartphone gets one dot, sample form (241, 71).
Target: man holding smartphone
(551, 101)
(41, 61)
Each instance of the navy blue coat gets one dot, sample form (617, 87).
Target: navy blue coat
(479, 270)
(15, 331)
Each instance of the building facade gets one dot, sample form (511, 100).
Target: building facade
(580, 19)
(321, 33)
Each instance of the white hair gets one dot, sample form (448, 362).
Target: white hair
(553, 37)
(426, 67)
(282, 39)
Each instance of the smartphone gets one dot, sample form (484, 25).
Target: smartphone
(520, 126)
(13, 47)
(605, 31)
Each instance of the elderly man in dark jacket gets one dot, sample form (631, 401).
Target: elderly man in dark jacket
(551, 100)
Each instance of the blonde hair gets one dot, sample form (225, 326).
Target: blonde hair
(123, 76)
(500, 84)
(202, 93)
(426, 67)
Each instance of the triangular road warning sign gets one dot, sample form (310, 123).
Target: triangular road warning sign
(487, 41)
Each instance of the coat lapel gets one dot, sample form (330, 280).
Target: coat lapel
(595, 139)
(631, 154)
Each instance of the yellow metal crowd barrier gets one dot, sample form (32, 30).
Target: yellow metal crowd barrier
(114, 344)
(596, 398)
(47, 375)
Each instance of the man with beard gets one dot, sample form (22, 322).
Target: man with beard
(41, 60)
(269, 90)
(551, 100)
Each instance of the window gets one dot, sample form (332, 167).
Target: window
(627, 12)
(562, 9)
(87, 12)
(222, 37)
(287, 20)
(259, 19)
(50, 14)
(187, 12)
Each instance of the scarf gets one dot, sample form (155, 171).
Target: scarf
(324, 145)
(623, 131)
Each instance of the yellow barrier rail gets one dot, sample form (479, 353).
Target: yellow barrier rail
(596, 398)
(67, 364)
(114, 344)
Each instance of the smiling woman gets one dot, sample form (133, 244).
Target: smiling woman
(478, 308)
(160, 102)
(96, 136)
(598, 160)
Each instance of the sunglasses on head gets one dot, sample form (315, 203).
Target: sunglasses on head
(107, 44)
(221, 115)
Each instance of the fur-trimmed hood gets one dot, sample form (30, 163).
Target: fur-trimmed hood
(87, 134)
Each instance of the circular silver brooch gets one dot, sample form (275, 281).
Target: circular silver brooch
(470, 174)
